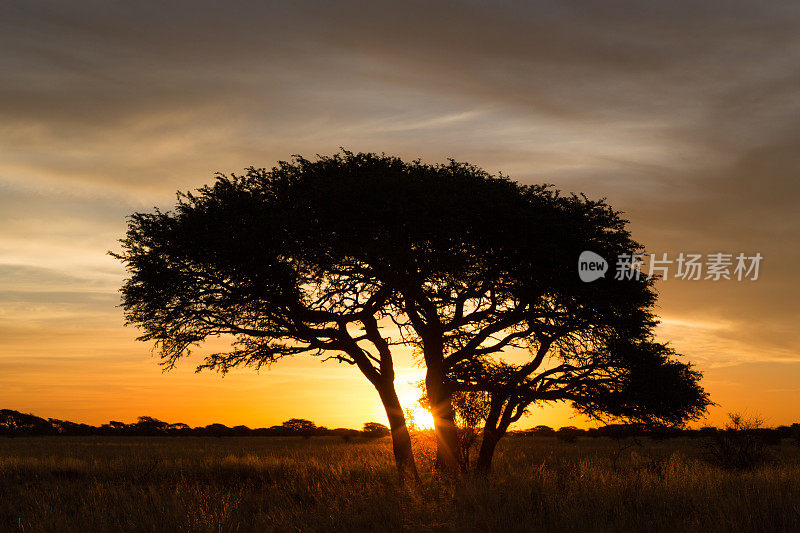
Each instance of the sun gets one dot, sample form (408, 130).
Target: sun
(422, 418)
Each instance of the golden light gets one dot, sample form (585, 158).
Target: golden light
(416, 415)
(422, 418)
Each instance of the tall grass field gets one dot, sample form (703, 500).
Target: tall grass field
(328, 484)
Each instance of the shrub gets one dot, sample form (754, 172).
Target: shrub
(739, 445)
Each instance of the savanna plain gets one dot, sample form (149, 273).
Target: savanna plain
(329, 484)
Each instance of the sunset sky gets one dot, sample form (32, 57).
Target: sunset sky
(685, 115)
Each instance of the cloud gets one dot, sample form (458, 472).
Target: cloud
(682, 114)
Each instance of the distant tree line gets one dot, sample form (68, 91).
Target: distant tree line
(571, 433)
(14, 423)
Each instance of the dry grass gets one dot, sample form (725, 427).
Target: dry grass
(325, 484)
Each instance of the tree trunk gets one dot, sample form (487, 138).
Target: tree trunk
(491, 437)
(440, 398)
(492, 433)
(401, 439)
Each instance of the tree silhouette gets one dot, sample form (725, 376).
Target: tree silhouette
(375, 430)
(542, 431)
(301, 426)
(147, 425)
(324, 256)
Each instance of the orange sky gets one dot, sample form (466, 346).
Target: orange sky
(683, 117)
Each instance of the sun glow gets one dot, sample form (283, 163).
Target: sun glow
(420, 418)
(417, 416)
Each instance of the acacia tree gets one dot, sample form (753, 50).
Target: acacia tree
(325, 255)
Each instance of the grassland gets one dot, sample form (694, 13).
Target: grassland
(326, 484)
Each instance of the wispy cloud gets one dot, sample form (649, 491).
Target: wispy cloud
(682, 114)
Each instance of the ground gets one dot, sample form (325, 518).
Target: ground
(327, 484)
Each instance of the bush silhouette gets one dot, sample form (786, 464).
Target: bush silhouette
(739, 445)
